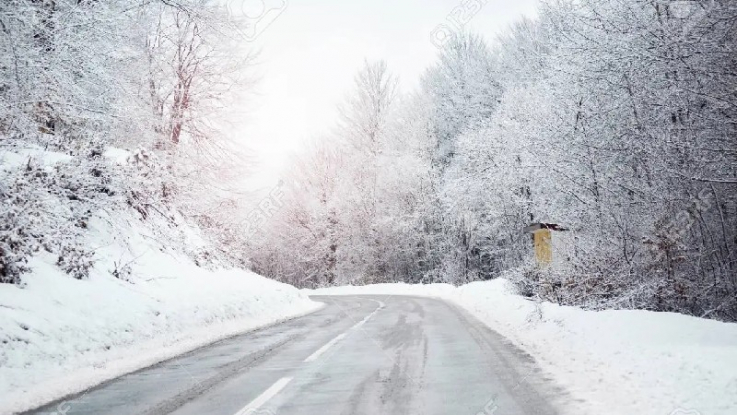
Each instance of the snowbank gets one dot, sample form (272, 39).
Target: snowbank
(614, 362)
(59, 335)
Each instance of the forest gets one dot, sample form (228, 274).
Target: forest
(140, 97)
(616, 119)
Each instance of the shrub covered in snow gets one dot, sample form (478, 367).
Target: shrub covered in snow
(78, 78)
(46, 205)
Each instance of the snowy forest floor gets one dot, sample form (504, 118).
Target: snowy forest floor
(613, 362)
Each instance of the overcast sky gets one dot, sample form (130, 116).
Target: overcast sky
(312, 50)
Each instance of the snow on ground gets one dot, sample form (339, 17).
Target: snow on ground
(18, 157)
(117, 155)
(59, 335)
(613, 362)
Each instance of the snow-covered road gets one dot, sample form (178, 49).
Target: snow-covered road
(358, 355)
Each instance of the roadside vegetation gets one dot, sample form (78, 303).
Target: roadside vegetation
(613, 118)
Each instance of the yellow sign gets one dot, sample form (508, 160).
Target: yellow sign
(543, 246)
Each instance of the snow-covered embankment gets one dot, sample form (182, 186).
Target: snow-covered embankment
(612, 362)
(59, 335)
(143, 300)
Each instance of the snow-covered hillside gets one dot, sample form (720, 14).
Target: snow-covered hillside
(612, 362)
(145, 299)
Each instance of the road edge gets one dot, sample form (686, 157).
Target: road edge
(148, 364)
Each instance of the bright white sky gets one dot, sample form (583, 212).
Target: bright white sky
(311, 52)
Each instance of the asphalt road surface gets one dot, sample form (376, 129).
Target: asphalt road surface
(358, 355)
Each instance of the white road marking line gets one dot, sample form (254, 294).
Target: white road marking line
(324, 348)
(331, 343)
(368, 317)
(265, 397)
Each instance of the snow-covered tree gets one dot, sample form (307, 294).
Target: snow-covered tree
(613, 118)
(79, 77)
